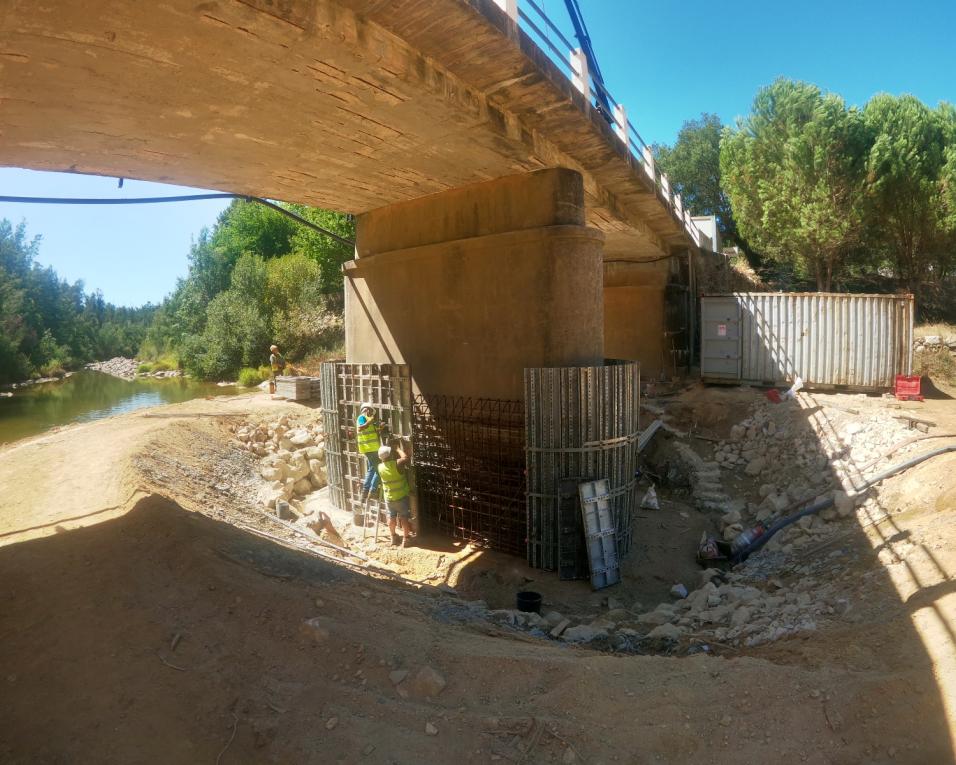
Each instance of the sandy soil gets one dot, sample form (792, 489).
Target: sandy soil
(143, 620)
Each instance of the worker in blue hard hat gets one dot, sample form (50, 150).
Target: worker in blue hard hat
(369, 441)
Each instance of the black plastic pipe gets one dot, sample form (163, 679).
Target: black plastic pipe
(741, 555)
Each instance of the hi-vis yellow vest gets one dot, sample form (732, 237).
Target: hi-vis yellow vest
(393, 481)
(366, 435)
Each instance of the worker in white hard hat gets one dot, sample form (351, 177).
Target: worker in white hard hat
(369, 441)
(391, 469)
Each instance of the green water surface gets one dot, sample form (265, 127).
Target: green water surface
(87, 396)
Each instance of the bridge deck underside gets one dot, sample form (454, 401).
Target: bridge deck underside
(351, 105)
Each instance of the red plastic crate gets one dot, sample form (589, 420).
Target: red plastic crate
(907, 388)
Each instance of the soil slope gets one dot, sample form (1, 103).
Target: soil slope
(139, 624)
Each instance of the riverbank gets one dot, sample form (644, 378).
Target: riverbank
(34, 381)
(91, 395)
(170, 591)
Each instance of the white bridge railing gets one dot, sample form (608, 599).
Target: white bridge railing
(528, 16)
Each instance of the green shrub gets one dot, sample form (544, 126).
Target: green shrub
(53, 368)
(145, 367)
(249, 377)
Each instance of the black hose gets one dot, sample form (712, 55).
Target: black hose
(180, 198)
(741, 555)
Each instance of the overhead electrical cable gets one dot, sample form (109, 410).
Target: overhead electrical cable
(181, 198)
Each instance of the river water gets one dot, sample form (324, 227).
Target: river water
(87, 396)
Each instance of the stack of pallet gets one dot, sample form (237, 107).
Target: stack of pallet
(294, 388)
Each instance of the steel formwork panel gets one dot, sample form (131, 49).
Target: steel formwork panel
(582, 424)
(388, 388)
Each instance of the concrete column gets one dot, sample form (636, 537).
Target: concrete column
(634, 296)
(471, 286)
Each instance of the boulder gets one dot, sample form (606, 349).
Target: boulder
(583, 633)
(843, 503)
(298, 467)
(302, 487)
(732, 531)
(560, 627)
(666, 632)
(730, 518)
(272, 473)
(553, 618)
(740, 617)
(315, 453)
(316, 629)
(656, 617)
(755, 466)
(397, 676)
(300, 438)
(426, 683)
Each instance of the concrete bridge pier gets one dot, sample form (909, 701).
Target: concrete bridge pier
(470, 286)
(634, 295)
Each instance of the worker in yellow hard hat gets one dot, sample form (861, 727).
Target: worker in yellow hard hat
(369, 441)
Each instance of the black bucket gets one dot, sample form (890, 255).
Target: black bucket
(529, 602)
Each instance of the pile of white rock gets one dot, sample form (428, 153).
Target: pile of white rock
(790, 454)
(293, 457)
(934, 344)
(118, 367)
(733, 612)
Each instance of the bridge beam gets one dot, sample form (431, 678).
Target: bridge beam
(471, 286)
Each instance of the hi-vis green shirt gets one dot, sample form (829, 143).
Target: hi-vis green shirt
(366, 434)
(393, 481)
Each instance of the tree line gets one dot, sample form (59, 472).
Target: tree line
(814, 191)
(49, 326)
(255, 278)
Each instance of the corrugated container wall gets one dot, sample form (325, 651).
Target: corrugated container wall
(827, 339)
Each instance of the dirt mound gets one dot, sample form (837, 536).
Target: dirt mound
(150, 637)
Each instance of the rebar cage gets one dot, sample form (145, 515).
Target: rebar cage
(470, 461)
(345, 387)
(582, 424)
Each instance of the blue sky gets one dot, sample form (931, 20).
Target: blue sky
(667, 61)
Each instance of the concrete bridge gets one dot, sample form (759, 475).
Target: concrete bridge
(438, 122)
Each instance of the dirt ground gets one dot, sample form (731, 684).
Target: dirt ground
(145, 618)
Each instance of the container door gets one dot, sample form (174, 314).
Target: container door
(720, 338)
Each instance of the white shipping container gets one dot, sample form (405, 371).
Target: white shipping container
(827, 339)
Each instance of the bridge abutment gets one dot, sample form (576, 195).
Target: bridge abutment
(472, 285)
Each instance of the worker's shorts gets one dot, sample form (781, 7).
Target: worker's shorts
(400, 508)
